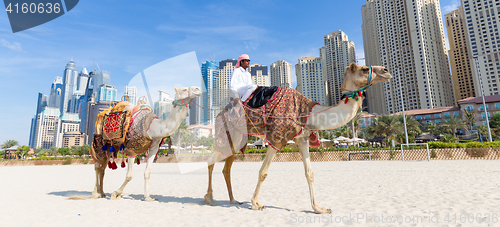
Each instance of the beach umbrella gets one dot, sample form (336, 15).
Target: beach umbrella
(323, 140)
(290, 141)
(341, 138)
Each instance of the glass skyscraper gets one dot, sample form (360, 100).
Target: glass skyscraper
(210, 91)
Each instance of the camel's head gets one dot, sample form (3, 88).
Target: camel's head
(358, 76)
(184, 96)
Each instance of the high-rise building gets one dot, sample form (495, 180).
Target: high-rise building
(226, 68)
(41, 104)
(163, 106)
(210, 91)
(310, 79)
(100, 78)
(338, 53)
(45, 129)
(131, 92)
(482, 19)
(55, 93)
(281, 74)
(407, 37)
(464, 83)
(67, 122)
(194, 112)
(68, 86)
(106, 92)
(260, 75)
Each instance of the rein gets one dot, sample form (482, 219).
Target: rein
(359, 92)
(183, 102)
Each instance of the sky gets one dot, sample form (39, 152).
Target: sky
(126, 38)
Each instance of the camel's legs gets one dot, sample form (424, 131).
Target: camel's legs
(147, 173)
(211, 162)
(303, 144)
(99, 176)
(262, 176)
(130, 173)
(227, 176)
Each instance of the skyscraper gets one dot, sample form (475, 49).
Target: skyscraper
(464, 82)
(100, 78)
(310, 79)
(210, 91)
(338, 53)
(260, 75)
(106, 92)
(131, 92)
(226, 67)
(55, 93)
(482, 19)
(41, 104)
(281, 74)
(407, 37)
(45, 129)
(69, 86)
(163, 106)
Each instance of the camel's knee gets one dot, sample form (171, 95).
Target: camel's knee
(226, 171)
(262, 176)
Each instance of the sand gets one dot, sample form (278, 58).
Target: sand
(436, 193)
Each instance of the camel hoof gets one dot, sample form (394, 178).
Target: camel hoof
(115, 196)
(322, 210)
(150, 199)
(257, 207)
(210, 199)
(235, 202)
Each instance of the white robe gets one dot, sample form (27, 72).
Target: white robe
(241, 84)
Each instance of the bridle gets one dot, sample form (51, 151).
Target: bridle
(359, 92)
(183, 102)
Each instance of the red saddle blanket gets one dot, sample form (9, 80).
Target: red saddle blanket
(280, 119)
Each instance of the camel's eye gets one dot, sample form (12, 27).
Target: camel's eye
(365, 69)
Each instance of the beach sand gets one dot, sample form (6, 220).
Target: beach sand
(436, 193)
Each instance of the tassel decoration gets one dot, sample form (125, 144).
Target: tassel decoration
(104, 148)
(112, 149)
(138, 161)
(122, 147)
(123, 164)
(109, 164)
(114, 165)
(345, 102)
(359, 93)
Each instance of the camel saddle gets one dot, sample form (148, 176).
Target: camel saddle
(280, 119)
(123, 126)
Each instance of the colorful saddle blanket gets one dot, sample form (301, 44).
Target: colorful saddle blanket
(136, 121)
(280, 119)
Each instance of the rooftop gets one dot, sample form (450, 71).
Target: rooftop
(430, 111)
(479, 100)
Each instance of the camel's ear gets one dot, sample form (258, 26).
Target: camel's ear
(353, 67)
(176, 89)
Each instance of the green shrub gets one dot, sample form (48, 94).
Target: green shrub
(67, 162)
(433, 154)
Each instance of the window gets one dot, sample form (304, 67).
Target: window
(418, 117)
(469, 108)
(497, 105)
(437, 115)
(447, 114)
(427, 116)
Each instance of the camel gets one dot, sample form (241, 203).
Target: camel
(357, 78)
(158, 129)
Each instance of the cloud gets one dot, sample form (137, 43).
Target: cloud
(13, 46)
(448, 8)
(251, 45)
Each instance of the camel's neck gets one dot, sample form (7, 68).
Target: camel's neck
(325, 117)
(163, 128)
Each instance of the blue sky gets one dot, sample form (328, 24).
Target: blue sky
(126, 37)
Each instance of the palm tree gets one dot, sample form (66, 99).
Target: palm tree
(354, 121)
(388, 125)
(452, 123)
(9, 144)
(181, 133)
(432, 128)
(412, 125)
(470, 119)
